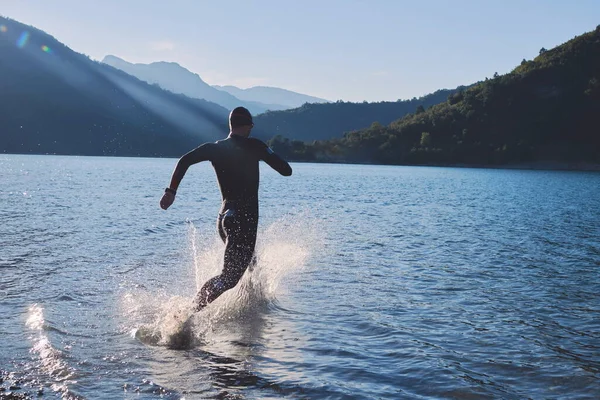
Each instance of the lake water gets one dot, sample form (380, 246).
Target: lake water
(372, 282)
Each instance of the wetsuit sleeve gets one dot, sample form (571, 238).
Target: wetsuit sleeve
(201, 153)
(274, 161)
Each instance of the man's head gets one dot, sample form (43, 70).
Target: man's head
(240, 121)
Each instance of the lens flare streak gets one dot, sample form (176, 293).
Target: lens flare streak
(23, 39)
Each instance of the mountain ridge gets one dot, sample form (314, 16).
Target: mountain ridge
(283, 98)
(57, 101)
(178, 79)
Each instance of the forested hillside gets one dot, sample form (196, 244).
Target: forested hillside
(545, 110)
(331, 120)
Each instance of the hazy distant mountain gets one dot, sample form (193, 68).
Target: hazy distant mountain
(276, 98)
(172, 76)
(54, 100)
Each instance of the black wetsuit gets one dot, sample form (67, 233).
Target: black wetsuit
(235, 161)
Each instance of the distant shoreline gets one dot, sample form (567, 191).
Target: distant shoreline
(536, 166)
(533, 165)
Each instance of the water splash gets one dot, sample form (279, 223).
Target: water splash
(172, 326)
(283, 250)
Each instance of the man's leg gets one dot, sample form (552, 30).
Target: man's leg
(237, 259)
(239, 253)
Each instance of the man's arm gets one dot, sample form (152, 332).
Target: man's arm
(274, 161)
(278, 163)
(199, 154)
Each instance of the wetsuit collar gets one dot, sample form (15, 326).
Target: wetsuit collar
(235, 136)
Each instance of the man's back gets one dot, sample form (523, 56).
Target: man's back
(235, 161)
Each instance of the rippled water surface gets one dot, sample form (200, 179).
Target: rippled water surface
(372, 282)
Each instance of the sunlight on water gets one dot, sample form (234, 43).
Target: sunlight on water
(35, 318)
(51, 360)
(283, 249)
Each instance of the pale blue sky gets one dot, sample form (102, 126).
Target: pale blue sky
(352, 50)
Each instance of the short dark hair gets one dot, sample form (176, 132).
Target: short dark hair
(240, 116)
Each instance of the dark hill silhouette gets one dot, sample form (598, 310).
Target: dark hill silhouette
(331, 120)
(54, 100)
(546, 110)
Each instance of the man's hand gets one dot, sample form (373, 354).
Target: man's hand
(167, 199)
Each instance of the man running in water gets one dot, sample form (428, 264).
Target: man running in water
(235, 161)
